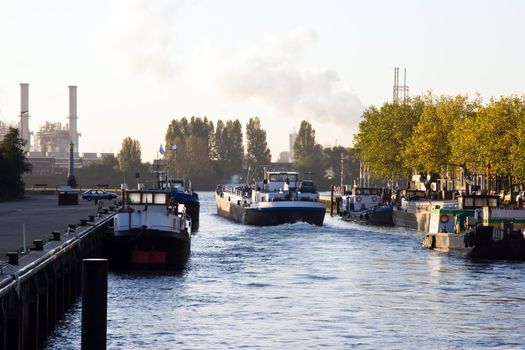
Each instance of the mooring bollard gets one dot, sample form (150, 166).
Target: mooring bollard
(56, 235)
(39, 244)
(94, 303)
(12, 258)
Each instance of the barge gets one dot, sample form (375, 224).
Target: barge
(278, 199)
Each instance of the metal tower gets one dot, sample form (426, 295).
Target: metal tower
(400, 92)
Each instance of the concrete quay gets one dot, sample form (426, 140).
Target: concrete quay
(36, 289)
(41, 215)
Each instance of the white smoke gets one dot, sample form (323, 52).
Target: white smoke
(271, 74)
(140, 36)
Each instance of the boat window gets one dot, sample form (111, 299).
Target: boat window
(147, 198)
(282, 177)
(160, 198)
(134, 198)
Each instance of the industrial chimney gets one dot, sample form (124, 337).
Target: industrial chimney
(24, 115)
(73, 133)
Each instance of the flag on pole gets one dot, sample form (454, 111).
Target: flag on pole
(161, 150)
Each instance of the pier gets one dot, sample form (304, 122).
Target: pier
(38, 287)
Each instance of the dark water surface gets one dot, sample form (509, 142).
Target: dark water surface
(340, 286)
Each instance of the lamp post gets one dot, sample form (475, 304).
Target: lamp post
(71, 180)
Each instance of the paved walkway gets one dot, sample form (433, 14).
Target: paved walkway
(41, 215)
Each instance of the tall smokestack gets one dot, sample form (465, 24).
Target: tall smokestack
(73, 133)
(24, 115)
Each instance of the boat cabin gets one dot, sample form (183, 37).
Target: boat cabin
(361, 198)
(283, 185)
(473, 201)
(275, 181)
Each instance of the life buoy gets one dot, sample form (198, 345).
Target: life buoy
(374, 199)
(443, 218)
(358, 199)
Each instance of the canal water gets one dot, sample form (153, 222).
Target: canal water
(340, 286)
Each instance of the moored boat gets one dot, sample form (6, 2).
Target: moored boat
(278, 199)
(487, 232)
(150, 229)
(189, 198)
(366, 205)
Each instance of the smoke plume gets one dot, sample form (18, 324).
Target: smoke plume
(140, 35)
(270, 74)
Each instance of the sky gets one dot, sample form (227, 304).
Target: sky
(140, 64)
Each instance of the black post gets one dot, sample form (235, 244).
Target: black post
(94, 303)
(332, 200)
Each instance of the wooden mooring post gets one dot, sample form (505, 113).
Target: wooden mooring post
(332, 200)
(94, 303)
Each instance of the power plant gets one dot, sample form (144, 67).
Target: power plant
(52, 139)
(48, 148)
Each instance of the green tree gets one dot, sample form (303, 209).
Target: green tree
(383, 135)
(130, 158)
(257, 151)
(517, 155)
(13, 163)
(308, 154)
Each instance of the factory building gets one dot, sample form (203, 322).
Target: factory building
(48, 147)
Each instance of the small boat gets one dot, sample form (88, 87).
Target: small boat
(366, 205)
(189, 198)
(278, 199)
(150, 229)
(478, 228)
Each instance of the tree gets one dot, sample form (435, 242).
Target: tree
(257, 151)
(13, 163)
(383, 135)
(130, 158)
(232, 140)
(193, 140)
(308, 154)
(332, 165)
(110, 161)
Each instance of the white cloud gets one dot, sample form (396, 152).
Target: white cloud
(270, 74)
(140, 37)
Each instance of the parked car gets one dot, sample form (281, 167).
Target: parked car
(98, 194)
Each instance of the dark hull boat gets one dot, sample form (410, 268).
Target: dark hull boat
(379, 216)
(364, 205)
(279, 199)
(150, 230)
(488, 233)
(284, 212)
(190, 200)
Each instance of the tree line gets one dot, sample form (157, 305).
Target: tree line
(434, 134)
(195, 148)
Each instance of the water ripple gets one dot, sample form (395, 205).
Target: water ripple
(339, 286)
